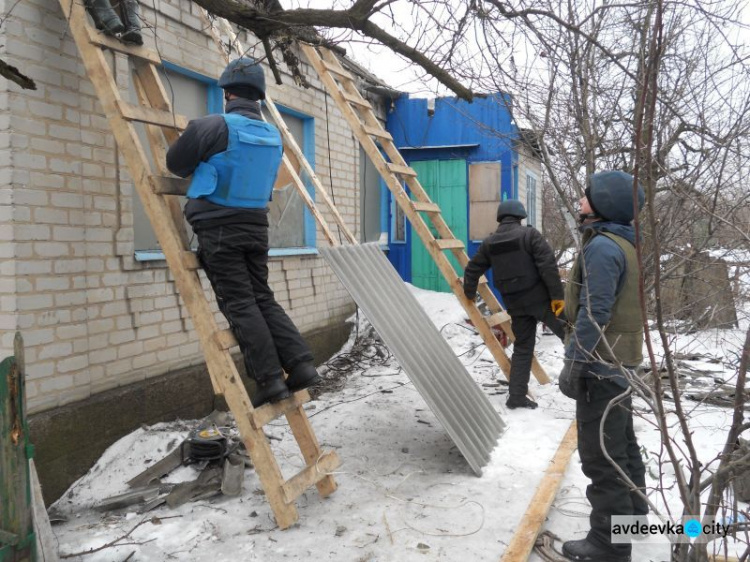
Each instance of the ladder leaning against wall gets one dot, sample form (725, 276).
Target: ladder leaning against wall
(376, 140)
(159, 192)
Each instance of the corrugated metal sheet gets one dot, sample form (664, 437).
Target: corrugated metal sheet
(438, 375)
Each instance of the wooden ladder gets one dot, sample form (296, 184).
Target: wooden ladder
(158, 192)
(373, 137)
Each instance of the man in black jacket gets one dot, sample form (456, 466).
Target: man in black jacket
(524, 271)
(234, 159)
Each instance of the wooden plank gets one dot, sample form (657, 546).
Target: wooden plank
(449, 244)
(422, 207)
(308, 444)
(113, 44)
(357, 100)
(312, 474)
(523, 540)
(152, 116)
(226, 339)
(269, 412)
(498, 318)
(401, 170)
(338, 70)
(46, 541)
(377, 132)
(16, 519)
(165, 185)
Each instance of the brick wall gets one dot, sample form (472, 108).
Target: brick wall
(8, 318)
(92, 317)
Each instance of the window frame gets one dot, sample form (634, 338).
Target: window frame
(215, 105)
(531, 207)
(310, 231)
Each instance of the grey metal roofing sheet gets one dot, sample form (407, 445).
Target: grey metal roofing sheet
(438, 375)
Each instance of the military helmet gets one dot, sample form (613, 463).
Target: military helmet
(511, 208)
(610, 195)
(243, 73)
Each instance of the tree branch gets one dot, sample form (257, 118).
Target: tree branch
(14, 75)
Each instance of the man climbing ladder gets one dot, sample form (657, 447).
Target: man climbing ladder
(234, 159)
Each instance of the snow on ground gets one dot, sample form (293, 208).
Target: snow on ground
(404, 491)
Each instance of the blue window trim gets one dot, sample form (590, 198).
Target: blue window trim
(215, 104)
(308, 149)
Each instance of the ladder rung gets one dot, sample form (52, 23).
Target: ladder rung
(152, 116)
(421, 206)
(402, 170)
(270, 411)
(448, 244)
(498, 318)
(311, 475)
(226, 339)
(165, 185)
(356, 100)
(377, 132)
(337, 70)
(144, 53)
(190, 260)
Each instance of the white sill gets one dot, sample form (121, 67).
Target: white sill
(156, 255)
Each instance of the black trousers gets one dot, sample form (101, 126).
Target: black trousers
(235, 258)
(524, 329)
(608, 493)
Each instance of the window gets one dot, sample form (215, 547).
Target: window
(484, 197)
(192, 95)
(291, 224)
(371, 204)
(398, 226)
(292, 227)
(531, 199)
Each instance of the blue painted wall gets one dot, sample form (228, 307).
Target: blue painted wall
(481, 131)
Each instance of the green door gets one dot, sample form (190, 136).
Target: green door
(445, 183)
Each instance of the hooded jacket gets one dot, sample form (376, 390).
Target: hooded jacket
(602, 295)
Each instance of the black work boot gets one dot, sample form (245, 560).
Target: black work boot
(271, 390)
(582, 550)
(105, 18)
(131, 18)
(520, 402)
(302, 375)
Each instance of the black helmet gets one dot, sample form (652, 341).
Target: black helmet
(610, 195)
(243, 74)
(511, 208)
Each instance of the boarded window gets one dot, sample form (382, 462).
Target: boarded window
(398, 227)
(484, 197)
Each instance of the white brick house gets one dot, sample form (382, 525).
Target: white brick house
(80, 275)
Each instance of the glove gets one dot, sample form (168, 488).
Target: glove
(569, 381)
(557, 306)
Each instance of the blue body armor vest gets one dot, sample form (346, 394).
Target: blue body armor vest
(243, 175)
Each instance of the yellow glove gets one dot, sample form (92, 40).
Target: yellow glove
(558, 307)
